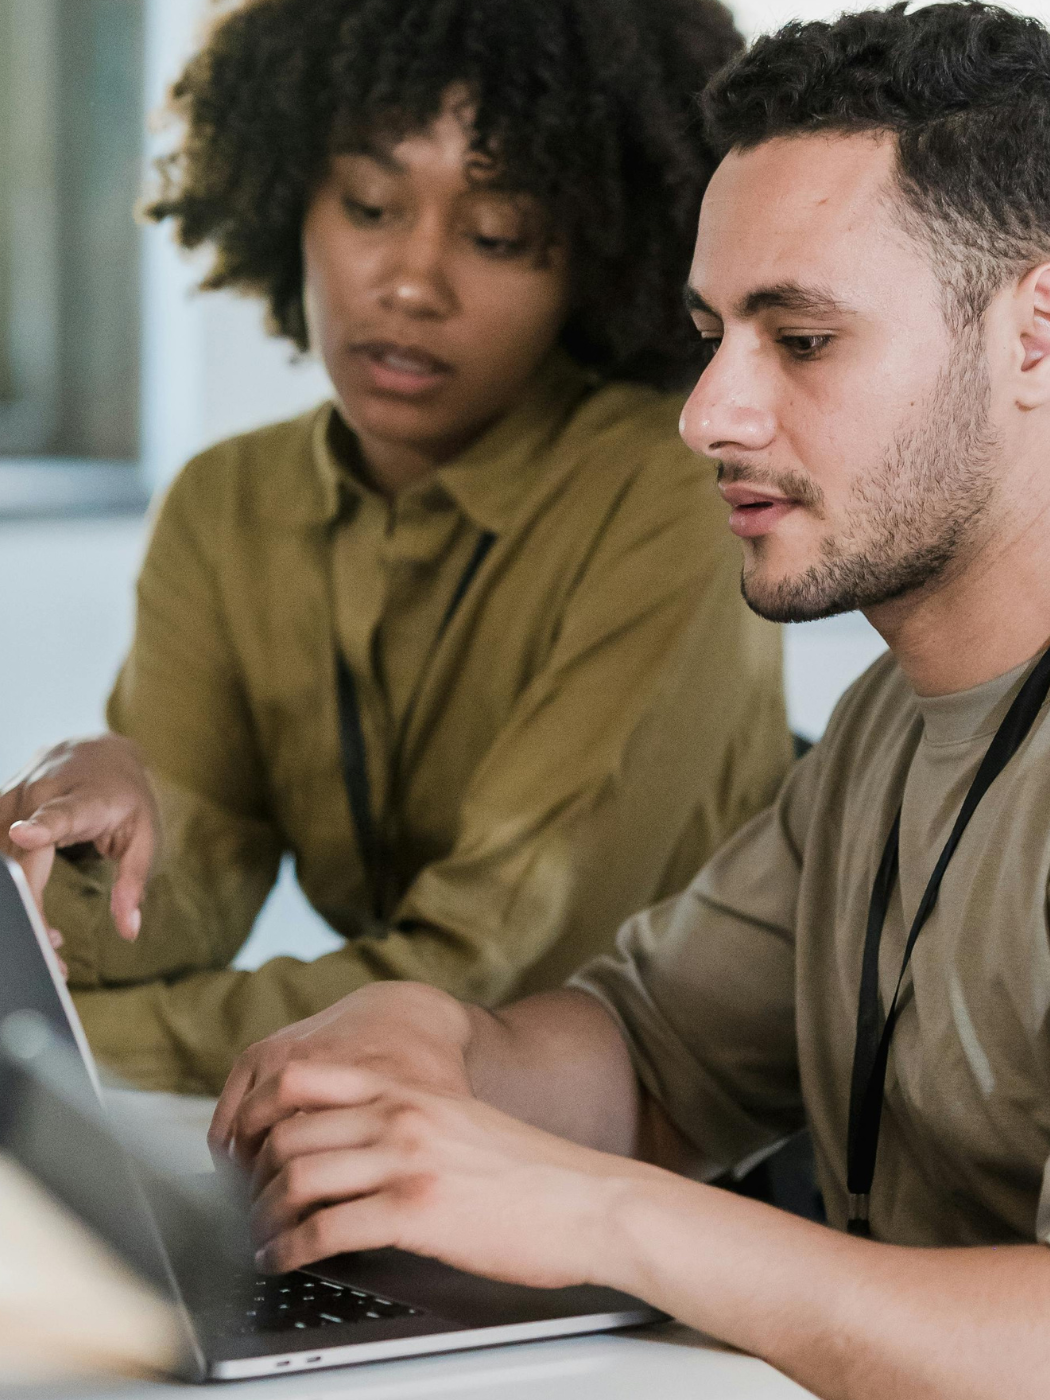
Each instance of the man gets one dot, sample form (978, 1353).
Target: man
(872, 272)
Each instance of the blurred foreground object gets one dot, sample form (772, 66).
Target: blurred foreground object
(67, 1305)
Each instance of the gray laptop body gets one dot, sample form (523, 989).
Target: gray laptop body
(189, 1236)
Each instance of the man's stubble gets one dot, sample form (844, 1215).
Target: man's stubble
(910, 523)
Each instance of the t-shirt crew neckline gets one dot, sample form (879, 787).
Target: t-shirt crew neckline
(971, 714)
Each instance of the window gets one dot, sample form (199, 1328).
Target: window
(71, 142)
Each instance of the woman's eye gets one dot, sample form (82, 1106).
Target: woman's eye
(499, 247)
(366, 214)
(805, 347)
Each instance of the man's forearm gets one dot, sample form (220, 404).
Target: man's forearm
(558, 1061)
(849, 1319)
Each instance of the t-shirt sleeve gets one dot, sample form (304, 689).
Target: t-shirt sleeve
(703, 988)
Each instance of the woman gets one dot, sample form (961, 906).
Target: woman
(466, 641)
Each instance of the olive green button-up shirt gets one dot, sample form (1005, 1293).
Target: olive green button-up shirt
(599, 714)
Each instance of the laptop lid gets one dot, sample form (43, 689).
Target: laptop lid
(187, 1236)
(32, 978)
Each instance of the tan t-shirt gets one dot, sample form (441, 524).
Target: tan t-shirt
(739, 998)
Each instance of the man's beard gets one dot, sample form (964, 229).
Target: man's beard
(908, 524)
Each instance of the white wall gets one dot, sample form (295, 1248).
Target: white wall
(209, 368)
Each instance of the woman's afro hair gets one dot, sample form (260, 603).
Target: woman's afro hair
(589, 105)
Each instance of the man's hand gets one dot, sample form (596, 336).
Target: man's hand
(92, 791)
(556, 1060)
(404, 1030)
(355, 1160)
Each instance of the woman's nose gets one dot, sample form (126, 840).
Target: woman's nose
(416, 278)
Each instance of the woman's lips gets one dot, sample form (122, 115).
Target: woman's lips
(402, 370)
(754, 512)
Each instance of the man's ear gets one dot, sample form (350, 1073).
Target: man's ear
(1034, 299)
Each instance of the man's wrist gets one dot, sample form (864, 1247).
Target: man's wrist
(633, 1211)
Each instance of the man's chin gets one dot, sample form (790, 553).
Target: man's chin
(792, 600)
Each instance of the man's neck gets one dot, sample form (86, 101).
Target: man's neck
(990, 616)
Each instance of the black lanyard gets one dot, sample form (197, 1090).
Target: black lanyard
(872, 1050)
(352, 742)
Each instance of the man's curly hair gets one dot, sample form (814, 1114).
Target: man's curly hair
(964, 87)
(589, 105)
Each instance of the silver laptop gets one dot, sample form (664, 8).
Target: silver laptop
(188, 1236)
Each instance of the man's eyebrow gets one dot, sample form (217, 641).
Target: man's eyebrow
(781, 296)
(790, 296)
(695, 304)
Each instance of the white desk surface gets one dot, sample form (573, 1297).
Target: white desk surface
(662, 1362)
(666, 1362)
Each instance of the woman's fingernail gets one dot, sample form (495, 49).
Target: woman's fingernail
(56, 938)
(135, 922)
(260, 1258)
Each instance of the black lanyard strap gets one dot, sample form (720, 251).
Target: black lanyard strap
(872, 1048)
(352, 741)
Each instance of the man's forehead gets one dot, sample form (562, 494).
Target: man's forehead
(804, 210)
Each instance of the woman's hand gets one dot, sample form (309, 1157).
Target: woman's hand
(355, 1160)
(91, 791)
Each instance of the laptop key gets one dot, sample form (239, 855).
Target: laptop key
(297, 1302)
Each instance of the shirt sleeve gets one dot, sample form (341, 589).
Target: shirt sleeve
(655, 728)
(703, 988)
(178, 696)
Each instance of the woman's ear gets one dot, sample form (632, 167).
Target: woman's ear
(1034, 293)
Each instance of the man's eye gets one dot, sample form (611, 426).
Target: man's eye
(806, 347)
(708, 347)
(365, 214)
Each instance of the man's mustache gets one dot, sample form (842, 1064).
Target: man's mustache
(792, 485)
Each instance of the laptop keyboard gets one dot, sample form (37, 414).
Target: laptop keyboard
(299, 1303)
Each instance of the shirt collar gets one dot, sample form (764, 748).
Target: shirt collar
(491, 479)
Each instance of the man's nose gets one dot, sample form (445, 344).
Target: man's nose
(416, 276)
(730, 409)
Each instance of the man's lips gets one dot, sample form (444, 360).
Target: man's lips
(404, 370)
(755, 512)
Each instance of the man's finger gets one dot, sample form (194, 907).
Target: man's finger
(326, 1130)
(366, 1223)
(300, 1086)
(241, 1078)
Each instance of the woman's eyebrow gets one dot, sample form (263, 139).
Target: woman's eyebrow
(377, 152)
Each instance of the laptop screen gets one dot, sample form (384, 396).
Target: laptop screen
(32, 979)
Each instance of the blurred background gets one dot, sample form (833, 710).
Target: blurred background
(113, 372)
